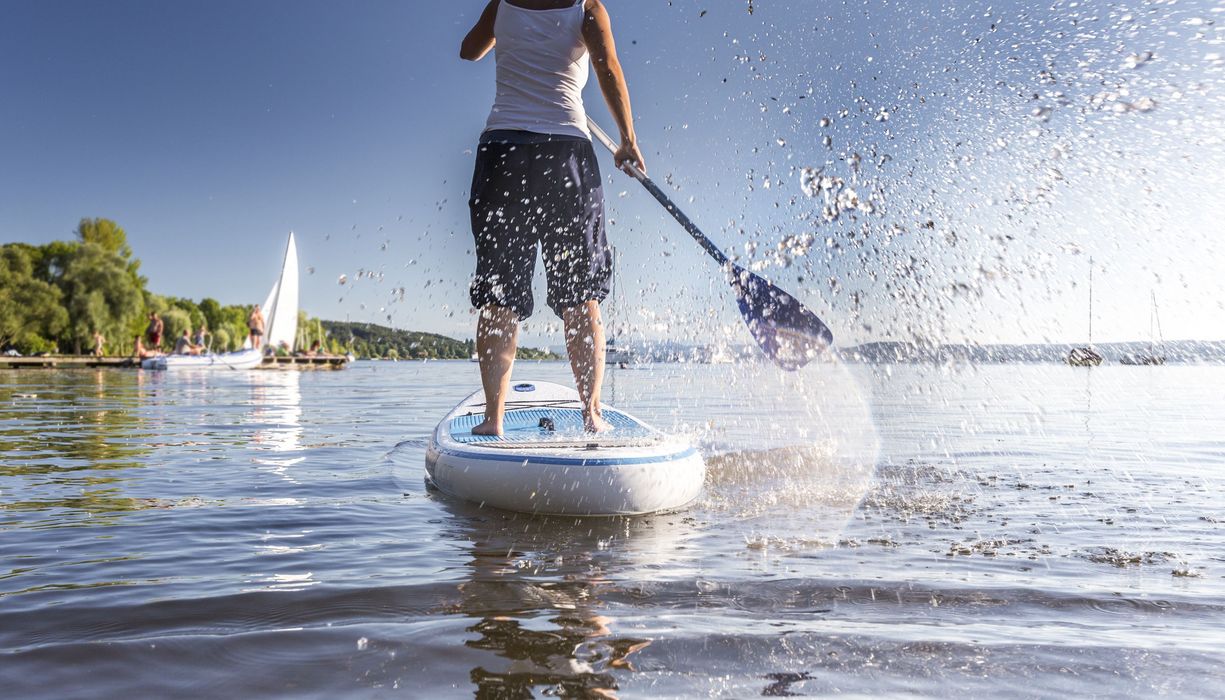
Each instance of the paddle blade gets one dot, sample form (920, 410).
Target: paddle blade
(788, 333)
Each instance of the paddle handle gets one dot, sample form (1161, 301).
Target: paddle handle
(710, 248)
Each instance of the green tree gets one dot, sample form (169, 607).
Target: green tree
(105, 233)
(177, 320)
(51, 260)
(114, 239)
(221, 340)
(30, 312)
(195, 315)
(211, 309)
(235, 321)
(100, 294)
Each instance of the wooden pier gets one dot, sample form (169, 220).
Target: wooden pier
(91, 362)
(296, 362)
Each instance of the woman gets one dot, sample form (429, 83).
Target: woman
(537, 183)
(255, 324)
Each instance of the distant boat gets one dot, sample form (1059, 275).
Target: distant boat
(720, 356)
(615, 354)
(1154, 355)
(281, 323)
(1086, 356)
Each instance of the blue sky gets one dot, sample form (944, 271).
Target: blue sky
(211, 129)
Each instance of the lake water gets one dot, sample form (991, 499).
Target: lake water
(1007, 530)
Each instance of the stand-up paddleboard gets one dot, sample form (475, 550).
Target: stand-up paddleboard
(545, 463)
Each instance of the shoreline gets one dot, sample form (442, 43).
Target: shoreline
(331, 362)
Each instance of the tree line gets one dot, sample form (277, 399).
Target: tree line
(54, 297)
(372, 340)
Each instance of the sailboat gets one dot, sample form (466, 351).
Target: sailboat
(1086, 356)
(1154, 340)
(280, 309)
(614, 354)
(281, 326)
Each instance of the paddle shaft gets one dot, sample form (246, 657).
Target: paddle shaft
(663, 199)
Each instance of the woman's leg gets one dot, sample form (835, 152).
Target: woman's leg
(497, 334)
(585, 345)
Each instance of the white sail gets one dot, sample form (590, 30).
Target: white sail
(281, 308)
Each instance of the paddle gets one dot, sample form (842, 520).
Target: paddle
(788, 333)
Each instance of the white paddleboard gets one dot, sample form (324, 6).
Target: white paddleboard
(545, 463)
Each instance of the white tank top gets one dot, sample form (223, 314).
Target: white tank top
(542, 68)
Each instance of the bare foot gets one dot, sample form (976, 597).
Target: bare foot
(488, 427)
(596, 424)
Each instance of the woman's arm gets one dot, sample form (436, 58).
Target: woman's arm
(597, 34)
(480, 38)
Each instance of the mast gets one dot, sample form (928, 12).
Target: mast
(1090, 302)
(1154, 319)
(1151, 337)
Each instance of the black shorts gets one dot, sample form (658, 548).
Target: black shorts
(531, 190)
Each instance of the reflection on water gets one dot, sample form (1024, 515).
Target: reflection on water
(72, 444)
(276, 416)
(535, 585)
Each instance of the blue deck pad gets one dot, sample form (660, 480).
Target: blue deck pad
(523, 425)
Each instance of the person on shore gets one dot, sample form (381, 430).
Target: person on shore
(99, 344)
(201, 338)
(140, 352)
(255, 324)
(154, 330)
(536, 183)
(184, 346)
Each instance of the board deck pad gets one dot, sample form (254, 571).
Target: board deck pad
(521, 429)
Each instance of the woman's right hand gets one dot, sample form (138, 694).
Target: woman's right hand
(628, 153)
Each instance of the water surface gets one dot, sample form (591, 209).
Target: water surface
(1012, 530)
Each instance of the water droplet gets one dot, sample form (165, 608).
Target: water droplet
(1144, 104)
(1137, 59)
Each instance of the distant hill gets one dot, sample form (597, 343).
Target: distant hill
(373, 340)
(899, 352)
(1177, 352)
